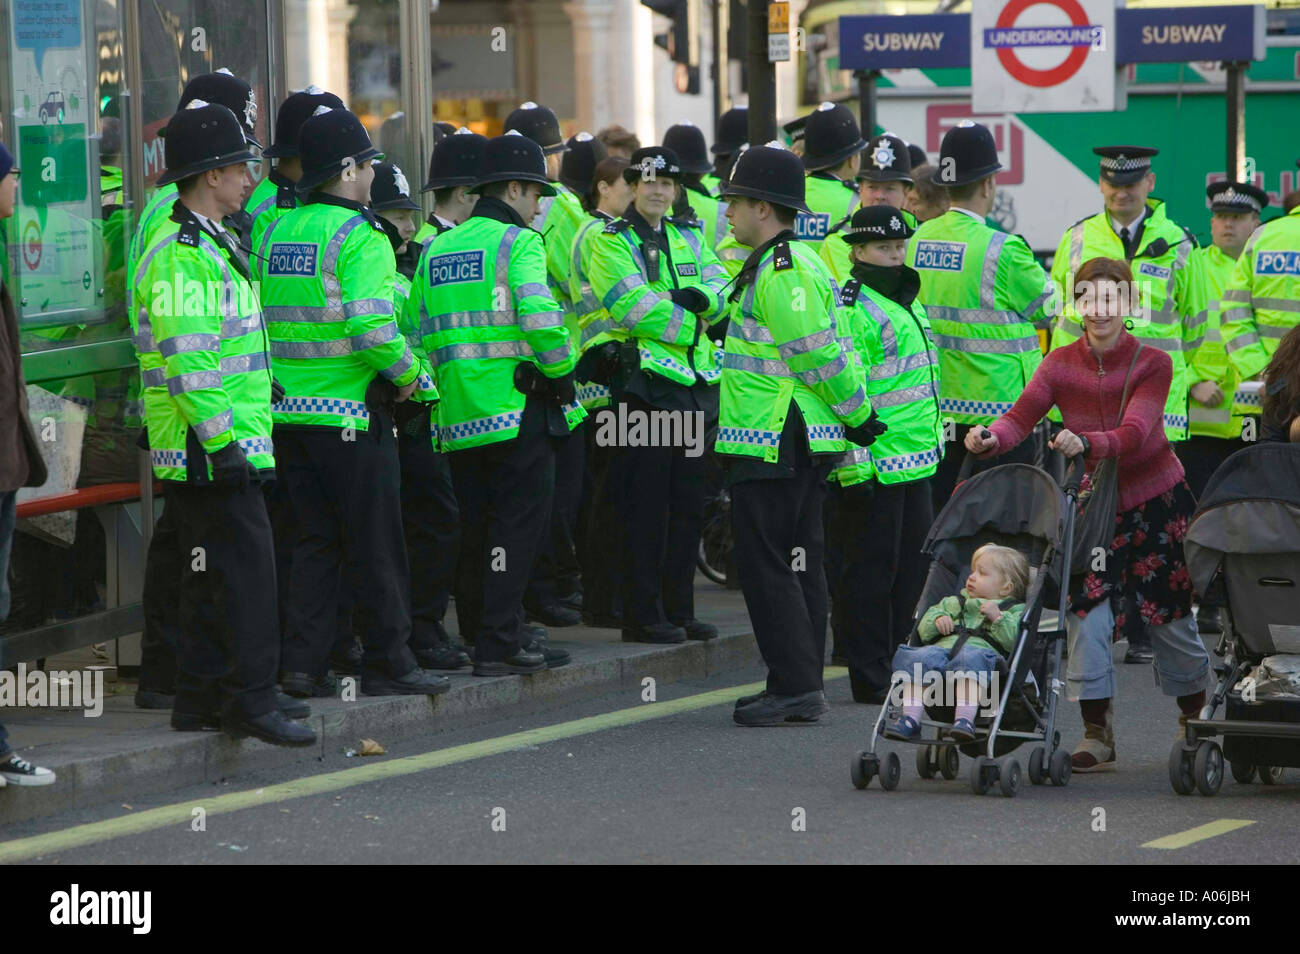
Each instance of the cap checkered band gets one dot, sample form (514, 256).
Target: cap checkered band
(869, 229)
(1231, 196)
(1123, 163)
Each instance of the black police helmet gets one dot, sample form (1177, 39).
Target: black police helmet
(876, 223)
(830, 136)
(771, 173)
(886, 160)
(653, 162)
(390, 190)
(687, 140)
(579, 162)
(733, 131)
(329, 142)
(916, 154)
(203, 136)
(967, 154)
(539, 124)
(224, 89)
(513, 158)
(456, 160)
(294, 111)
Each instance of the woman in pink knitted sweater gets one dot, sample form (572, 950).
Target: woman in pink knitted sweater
(1085, 380)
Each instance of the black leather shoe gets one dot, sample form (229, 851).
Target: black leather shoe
(555, 658)
(531, 631)
(347, 663)
(302, 686)
(780, 710)
(1138, 653)
(154, 699)
(273, 728)
(554, 614)
(750, 699)
(417, 682)
(522, 663)
(664, 632)
(291, 707)
(443, 657)
(573, 601)
(1208, 621)
(697, 630)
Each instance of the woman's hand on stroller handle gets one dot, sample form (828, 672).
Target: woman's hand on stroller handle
(1069, 443)
(981, 441)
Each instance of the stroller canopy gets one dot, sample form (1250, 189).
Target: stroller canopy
(1013, 499)
(1250, 505)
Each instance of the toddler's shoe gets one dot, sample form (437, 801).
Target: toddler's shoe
(962, 731)
(904, 729)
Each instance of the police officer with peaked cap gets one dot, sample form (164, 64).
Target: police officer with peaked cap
(832, 155)
(970, 271)
(883, 178)
(791, 395)
(210, 438)
(333, 428)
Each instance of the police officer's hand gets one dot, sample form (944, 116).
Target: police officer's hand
(1207, 393)
(865, 434)
(405, 391)
(981, 441)
(277, 391)
(598, 364)
(718, 332)
(562, 388)
(692, 299)
(230, 467)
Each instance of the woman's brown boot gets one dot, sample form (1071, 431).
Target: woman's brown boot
(1096, 753)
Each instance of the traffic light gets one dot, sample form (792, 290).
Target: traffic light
(682, 41)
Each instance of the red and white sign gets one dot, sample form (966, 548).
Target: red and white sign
(1037, 56)
(1008, 136)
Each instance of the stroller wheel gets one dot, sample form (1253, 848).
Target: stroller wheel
(1059, 768)
(1207, 767)
(983, 773)
(1243, 773)
(1180, 769)
(1036, 774)
(950, 762)
(862, 768)
(1009, 778)
(890, 772)
(924, 765)
(1270, 774)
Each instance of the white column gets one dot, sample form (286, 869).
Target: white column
(316, 44)
(592, 68)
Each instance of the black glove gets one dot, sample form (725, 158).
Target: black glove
(230, 467)
(865, 434)
(692, 299)
(562, 388)
(381, 394)
(598, 364)
(718, 333)
(412, 418)
(277, 391)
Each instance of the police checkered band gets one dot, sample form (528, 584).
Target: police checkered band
(255, 445)
(868, 230)
(319, 405)
(826, 432)
(1231, 196)
(1176, 421)
(167, 458)
(959, 406)
(902, 462)
(746, 435)
(484, 425)
(1123, 163)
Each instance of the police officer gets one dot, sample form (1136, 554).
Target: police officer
(884, 178)
(795, 129)
(327, 287)
(832, 155)
(694, 199)
(502, 358)
(661, 284)
(207, 405)
(1134, 227)
(984, 291)
(790, 396)
(276, 194)
(733, 132)
(553, 596)
(452, 170)
(884, 508)
(1262, 300)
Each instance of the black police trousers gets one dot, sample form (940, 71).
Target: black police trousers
(504, 491)
(660, 493)
(556, 574)
(345, 487)
(601, 533)
(161, 601)
(431, 529)
(881, 574)
(784, 589)
(228, 644)
(945, 479)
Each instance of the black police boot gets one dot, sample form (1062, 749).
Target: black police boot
(661, 632)
(555, 658)
(347, 663)
(443, 657)
(417, 682)
(697, 630)
(521, 663)
(779, 710)
(554, 614)
(750, 699)
(304, 686)
(1208, 620)
(573, 601)
(272, 728)
(289, 707)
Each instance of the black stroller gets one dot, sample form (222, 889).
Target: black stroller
(1022, 507)
(1243, 547)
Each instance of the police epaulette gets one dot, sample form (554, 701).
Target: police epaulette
(851, 186)
(686, 220)
(839, 225)
(849, 293)
(368, 214)
(1081, 221)
(782, 258)
(618, 225)
(189, 232)
(1190, 237)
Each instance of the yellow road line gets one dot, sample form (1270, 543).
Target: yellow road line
(181, 812)
(1201, 832)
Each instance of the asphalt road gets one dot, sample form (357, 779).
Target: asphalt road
(621, 780)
